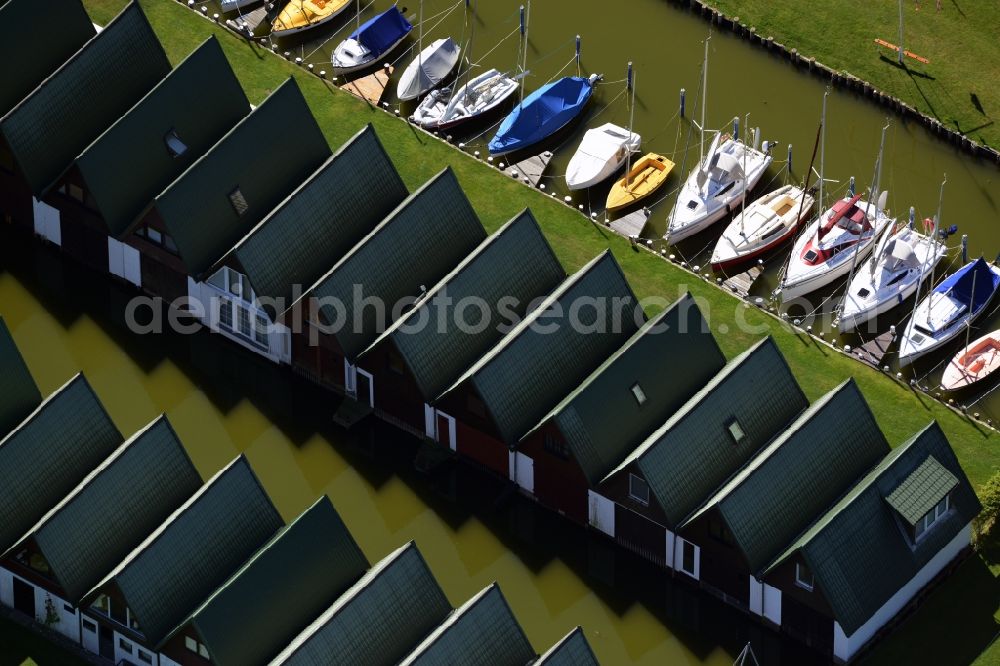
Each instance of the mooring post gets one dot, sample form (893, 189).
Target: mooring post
(682, 102)
(850, 187)
(578, 51)
(965, 248)
(628, 76)
(736, 128)
(913, 217)
(789, 158)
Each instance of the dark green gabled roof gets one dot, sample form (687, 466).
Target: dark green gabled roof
(482, 632)
(378, 620)
(687, 458)
(670, 358)
(32, 47)
(282, 589)
(49, 453)
(545, 356)
(859, 552)
(514, 263)
(799, 475)
(194, 550)
(19, 395)
(414, 247)
(129, 163)
(321, 220)
(101, 520)
(90, 91)
(266, 156)
(571, 650)
(921, 491)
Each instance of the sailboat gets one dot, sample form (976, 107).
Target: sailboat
(764, 225)
(476, 98)
(646, 176)
(602, 151)
(949, 309)
(543, 113)
(430, 67)
(901, 261)
(719, 183)
(301, 15)
(832, 244)
(973, 364)
(370, 41)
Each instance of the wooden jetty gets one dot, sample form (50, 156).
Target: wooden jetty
(872, 351)
(632, 224)
(247, 24)
(370, 88)
(531, 169)
(740, 283)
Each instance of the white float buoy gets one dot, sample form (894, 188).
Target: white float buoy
(885, 368)
(490, 159)
(567, 198)
(298, 61)
(215, 17)
(697, 268)
(204, 10)
(461, 145)
(847, 348)
(580, 206)
(310, 66)
(504, 166)
(322, 73)
(672, 257)
(899, 375)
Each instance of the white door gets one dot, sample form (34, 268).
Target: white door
(350, 379)
(429, 427)
(445, 430)
(601, 512)
(522, 471)
(47, 222)
(116, 260)
(772, 604)
(688, 559)
(88, 632)
(365, 387)
(130, 261)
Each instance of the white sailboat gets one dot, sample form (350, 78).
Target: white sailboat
(831, 245)
(766, 224)
(602, 151)
(721, 180)
(901, 261)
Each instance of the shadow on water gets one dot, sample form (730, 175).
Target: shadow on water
(455, 491)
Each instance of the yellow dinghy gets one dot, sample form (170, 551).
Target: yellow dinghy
(646, 176)
(301, 15)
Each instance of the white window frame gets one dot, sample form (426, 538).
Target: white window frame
(236, 299)
(694, 572)
(800, 581)
(638, 394)
(932, 517)
(735, 430)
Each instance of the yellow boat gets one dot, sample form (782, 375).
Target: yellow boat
(300, 15)
(646, 176)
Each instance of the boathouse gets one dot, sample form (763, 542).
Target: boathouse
(378, 620)
(862, 561)
(428, 348)
(276, 594)
(49, 128)
(50, 43)
(382, 276)
(481, 631)
(223, 195)
(631, 393)
(797, 477)
(297, 242)
(41, 460)
(19, 395)
(139, 155)
(643, 501)
(177, 566)
(82, 537)
(538, 362)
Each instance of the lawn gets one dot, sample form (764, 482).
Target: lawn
(900, 411)
(961, 84)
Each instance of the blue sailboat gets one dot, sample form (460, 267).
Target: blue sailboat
(543, 113)
(372, 40)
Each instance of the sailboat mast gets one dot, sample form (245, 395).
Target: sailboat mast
(822, 151)
(704, 98)
(525, 18)
(631, 117)
(420, 41)
(868, 211)
(937, 224)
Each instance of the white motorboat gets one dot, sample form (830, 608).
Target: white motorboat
(603, 150)
(767, 223)
(949, 309)
(842, 236)
(476, 98)
(901, 261)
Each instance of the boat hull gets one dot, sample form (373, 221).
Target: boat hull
(622, 195)
(534, 121)
(773, 208)
(281, 33)
(344, 69)
(973, 364)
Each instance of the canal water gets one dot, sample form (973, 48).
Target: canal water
(665, 43)
(223, 400)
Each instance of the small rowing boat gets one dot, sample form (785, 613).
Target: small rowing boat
(301, 15)
(646, 176)
(973, 364)
(602, 151)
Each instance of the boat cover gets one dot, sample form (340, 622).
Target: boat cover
(901, 253)
(379, 33)
(542, 113)
(433, 64)
(961, 287)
